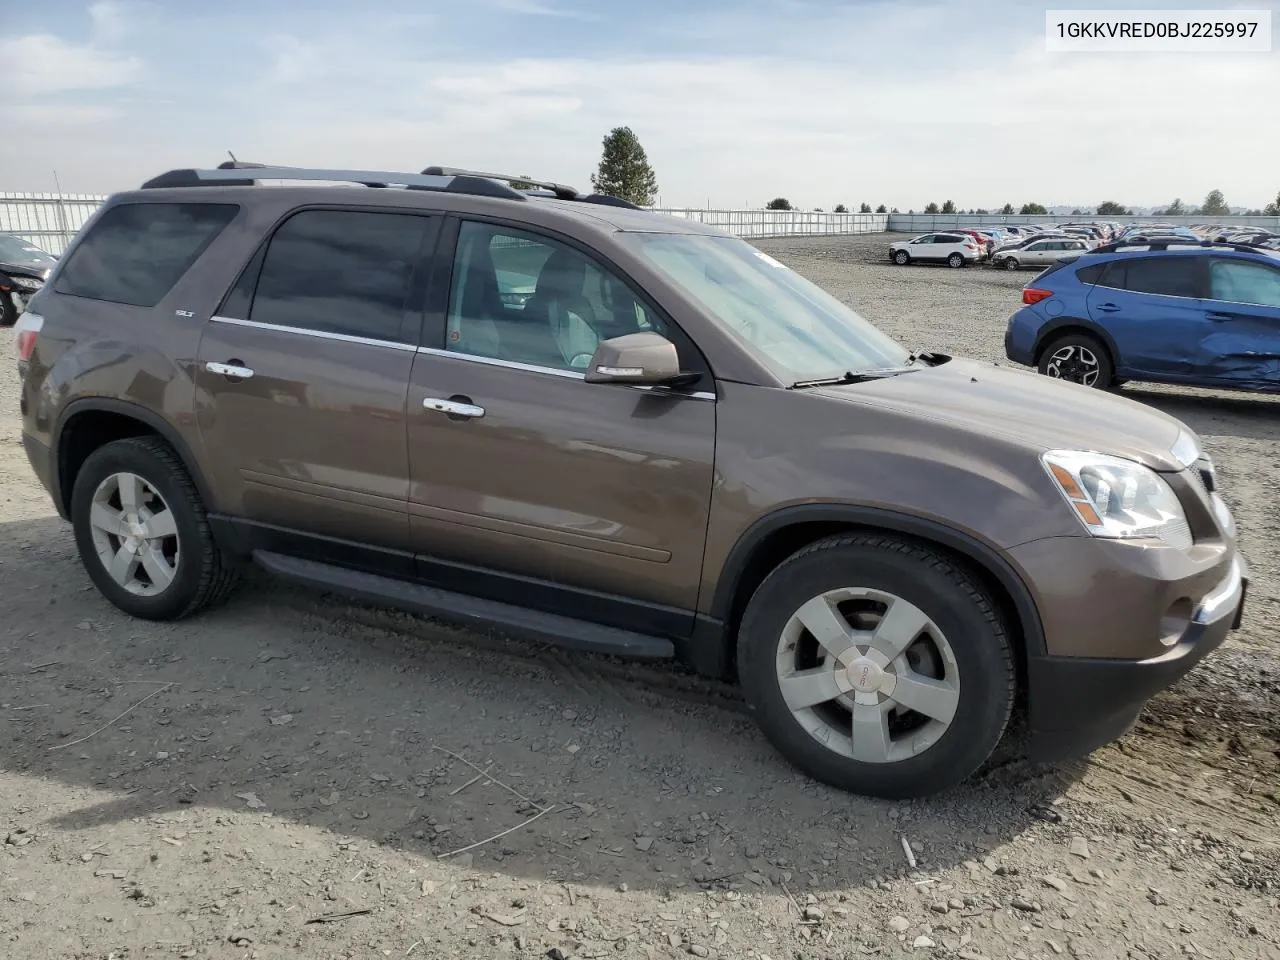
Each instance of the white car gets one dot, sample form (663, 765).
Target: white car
(1040, 253)
(953, 249)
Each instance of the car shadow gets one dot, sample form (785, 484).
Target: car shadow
(386, 727)
(1246, 415)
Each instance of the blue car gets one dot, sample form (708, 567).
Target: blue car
(1206, 316)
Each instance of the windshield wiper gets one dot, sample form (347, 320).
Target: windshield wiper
(876, 373)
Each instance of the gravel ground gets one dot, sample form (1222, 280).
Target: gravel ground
(291, 775)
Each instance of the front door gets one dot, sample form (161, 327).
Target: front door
(1243, 312)
(520, 469)
(302, 377)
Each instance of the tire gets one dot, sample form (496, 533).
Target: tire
(901, 258)
(980, 673)
(955, 260)
(1011, 263)
(1078, 358)
(201, 574)
(8, 311)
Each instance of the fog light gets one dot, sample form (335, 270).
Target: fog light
(1175, 621)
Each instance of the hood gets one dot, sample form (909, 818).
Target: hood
(1026, 407)
(23, 270)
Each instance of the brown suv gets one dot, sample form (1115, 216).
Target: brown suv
(620, 432)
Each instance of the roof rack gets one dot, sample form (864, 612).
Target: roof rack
(234, 174)
(1164, 243)
(558, 190)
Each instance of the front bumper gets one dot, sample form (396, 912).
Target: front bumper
(1078, 704)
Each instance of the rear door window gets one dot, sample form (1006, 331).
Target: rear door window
(136, 252)
(1167, 276)
(344, 272)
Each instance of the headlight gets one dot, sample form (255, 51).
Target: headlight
(1118, 498)
(27, 283)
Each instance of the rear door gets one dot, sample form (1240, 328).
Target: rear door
(1243, 311)
(302, 378)
(1154, 311)
(531, 485)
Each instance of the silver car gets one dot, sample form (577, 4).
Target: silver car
(1040, 253)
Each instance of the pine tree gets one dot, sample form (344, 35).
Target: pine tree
(624, 170)
(1215, 204)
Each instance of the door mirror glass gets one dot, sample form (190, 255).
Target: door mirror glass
(638, 358)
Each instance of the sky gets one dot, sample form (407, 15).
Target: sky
(900, 102)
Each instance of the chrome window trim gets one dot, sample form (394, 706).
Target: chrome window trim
(549, 371)
(316, 334)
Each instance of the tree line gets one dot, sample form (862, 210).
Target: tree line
(624, 171)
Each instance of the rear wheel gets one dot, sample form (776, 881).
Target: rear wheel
(143, 534)
(901, 258)
(955, 260)
(1079, 358)
(877, 665)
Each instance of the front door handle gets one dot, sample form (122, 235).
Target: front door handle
(234, 369)
(1108, 307)
(457, 407)
(1217, 316)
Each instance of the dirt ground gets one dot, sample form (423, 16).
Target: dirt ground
(293, 776)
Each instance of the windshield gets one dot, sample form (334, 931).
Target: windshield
(788, 323)
(15, 250)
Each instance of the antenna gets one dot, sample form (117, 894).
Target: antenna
(232, 156)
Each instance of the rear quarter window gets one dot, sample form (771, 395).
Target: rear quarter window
(1091, 275)
(136, 252)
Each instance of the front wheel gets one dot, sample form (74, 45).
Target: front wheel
(1079, 358)
(901, 258)
(877, 665)
(955, 260)
(1011, 263)
(143, 534)
(8, 310)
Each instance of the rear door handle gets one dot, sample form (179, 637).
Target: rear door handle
(232, 368)
(1108, 307)
(457, 407)
(1217, 316)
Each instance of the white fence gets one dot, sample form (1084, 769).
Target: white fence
(50, 220)
(782, 223)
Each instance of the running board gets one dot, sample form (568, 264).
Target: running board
(470, 611)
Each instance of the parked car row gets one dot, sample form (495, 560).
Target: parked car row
(1010, 247)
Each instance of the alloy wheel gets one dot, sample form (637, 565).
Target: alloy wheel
(868, 675)
(1075, 363)
(135, 534)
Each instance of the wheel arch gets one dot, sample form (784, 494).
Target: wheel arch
(1063, 326)
(773, 538)
(86, 424)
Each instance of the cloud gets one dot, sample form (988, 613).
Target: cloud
(536, 8)
(40, 64)
(110, 20)
(823, 103)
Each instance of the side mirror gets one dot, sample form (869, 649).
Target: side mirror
(638, 358)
